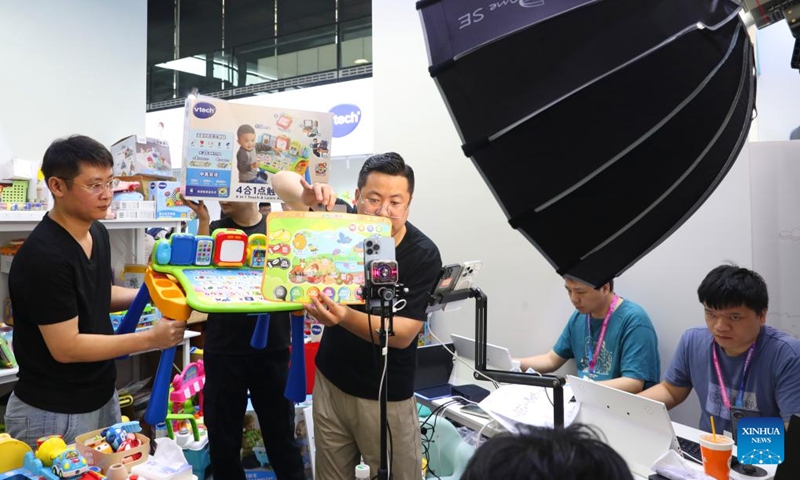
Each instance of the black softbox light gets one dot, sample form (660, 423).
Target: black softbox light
(599, 125)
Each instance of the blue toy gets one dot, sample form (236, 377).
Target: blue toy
(32, 469)
(183, 249)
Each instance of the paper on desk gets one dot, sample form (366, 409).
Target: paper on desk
(511, 405)
(672, 466)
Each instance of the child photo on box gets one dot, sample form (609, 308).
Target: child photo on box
(246, 156)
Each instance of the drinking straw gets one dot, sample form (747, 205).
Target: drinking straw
(713, 430)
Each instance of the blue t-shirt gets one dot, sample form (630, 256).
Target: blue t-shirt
(630, 348)
(772, 385)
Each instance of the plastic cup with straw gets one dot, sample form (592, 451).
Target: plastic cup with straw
(716, 452)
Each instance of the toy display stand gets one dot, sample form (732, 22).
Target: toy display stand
(482, 371)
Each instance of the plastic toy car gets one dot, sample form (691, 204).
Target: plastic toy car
(70, 464)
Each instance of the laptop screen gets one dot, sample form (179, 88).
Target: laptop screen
(434, 366)
(497, 357)
(638, 428)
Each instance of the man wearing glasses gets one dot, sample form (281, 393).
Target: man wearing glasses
(738, 365)
(60, 288)
(346, 408)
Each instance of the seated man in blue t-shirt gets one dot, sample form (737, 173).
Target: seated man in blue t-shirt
(737, 361)
(611, 339)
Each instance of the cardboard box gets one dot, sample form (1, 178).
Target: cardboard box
(166, 195)
(135, 214)
(254, 458)
(231, 150)
(135, 155)
(16, 169)
(144, 205)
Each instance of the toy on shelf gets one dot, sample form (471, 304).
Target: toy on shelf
(186, 387)
(193, 439)
(150, 316)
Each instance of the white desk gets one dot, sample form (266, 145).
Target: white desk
(453, 412)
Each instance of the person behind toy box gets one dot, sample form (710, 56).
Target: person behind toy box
(234, 370)
(246, 156)
(60, 286)
(346, 409)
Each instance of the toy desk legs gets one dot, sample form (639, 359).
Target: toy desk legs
(296, 384)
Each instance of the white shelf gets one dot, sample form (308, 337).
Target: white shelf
(8, 375)
(27, 221)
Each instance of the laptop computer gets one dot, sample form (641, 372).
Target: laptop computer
(434, 366)
(638, 428)
(497, 358)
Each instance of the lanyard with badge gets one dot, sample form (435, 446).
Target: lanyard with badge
(593, 358)
(723, 388)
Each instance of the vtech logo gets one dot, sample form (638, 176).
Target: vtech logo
(346, 118)
(203, 110)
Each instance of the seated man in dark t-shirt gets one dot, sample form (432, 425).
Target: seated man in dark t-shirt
(346, 408)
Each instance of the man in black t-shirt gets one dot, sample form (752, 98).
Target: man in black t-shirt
(60, 287)
(233, 368)
(346, 408)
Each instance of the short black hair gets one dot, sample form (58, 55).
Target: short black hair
(63, 158)
(245, 128)
(610, 285)
(390, 163)
(264, 204)
(539, 453)
(731, 286)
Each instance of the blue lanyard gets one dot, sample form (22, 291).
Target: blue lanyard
(723, 388)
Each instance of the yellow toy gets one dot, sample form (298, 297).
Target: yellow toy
(11, 452)
(256, 250)
(49, 449)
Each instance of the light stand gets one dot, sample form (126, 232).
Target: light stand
(481, 309)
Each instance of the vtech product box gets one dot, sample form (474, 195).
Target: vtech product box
(135, 155)
(169, 204)
(231, 151)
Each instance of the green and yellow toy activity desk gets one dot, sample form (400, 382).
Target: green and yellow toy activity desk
(304, 255)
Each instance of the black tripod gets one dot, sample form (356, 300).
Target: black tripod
(386, 296)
